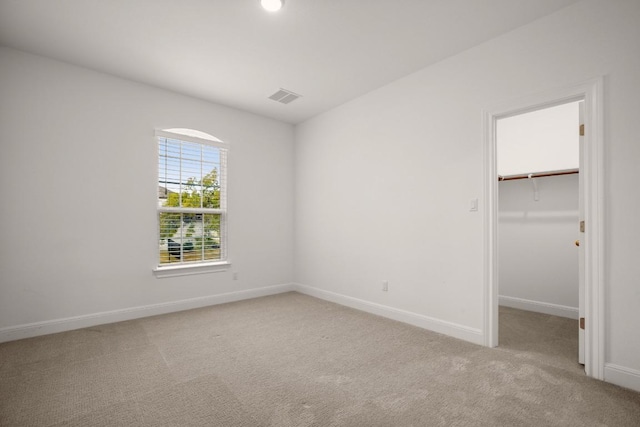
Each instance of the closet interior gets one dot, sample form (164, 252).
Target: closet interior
(538, 222)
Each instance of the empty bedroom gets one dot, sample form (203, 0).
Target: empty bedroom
(266, 213)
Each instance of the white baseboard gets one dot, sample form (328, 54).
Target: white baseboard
(447, 328)
(539, 307)
(67, 324)
(622, 376)
(615, 374)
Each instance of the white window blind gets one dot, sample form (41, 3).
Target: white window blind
(192, 192)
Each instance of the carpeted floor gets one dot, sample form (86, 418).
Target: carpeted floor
(292, 360)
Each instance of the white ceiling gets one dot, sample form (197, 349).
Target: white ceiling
(233, 52)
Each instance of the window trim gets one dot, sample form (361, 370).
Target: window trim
(191, 268)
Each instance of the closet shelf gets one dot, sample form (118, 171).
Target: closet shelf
(538, 174)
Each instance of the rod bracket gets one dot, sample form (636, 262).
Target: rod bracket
(534, 182)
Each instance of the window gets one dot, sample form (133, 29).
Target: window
(192, 205)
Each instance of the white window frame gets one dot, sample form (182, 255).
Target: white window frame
(196, 267)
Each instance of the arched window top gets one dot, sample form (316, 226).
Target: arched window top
(191, 135)
(194, 133)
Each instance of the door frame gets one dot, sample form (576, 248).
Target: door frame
(593, 196)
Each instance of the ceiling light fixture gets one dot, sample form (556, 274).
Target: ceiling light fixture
(272, 5)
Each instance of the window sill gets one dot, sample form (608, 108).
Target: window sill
(187, 270)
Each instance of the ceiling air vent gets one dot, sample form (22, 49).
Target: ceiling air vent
(284, 96)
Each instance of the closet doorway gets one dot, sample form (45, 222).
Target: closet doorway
(592, 170)
(539, 212)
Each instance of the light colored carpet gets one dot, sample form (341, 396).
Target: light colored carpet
(292, 360)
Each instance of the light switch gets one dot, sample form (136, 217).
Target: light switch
(473, 206)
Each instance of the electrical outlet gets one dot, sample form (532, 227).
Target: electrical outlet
(385, 286)
(235, 275)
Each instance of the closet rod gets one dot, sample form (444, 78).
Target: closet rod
(538, 175)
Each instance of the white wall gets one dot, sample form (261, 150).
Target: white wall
(383, 183)
(79, 189)
(538, 260)
(524, 141)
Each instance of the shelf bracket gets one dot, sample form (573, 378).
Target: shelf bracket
(536, 194)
